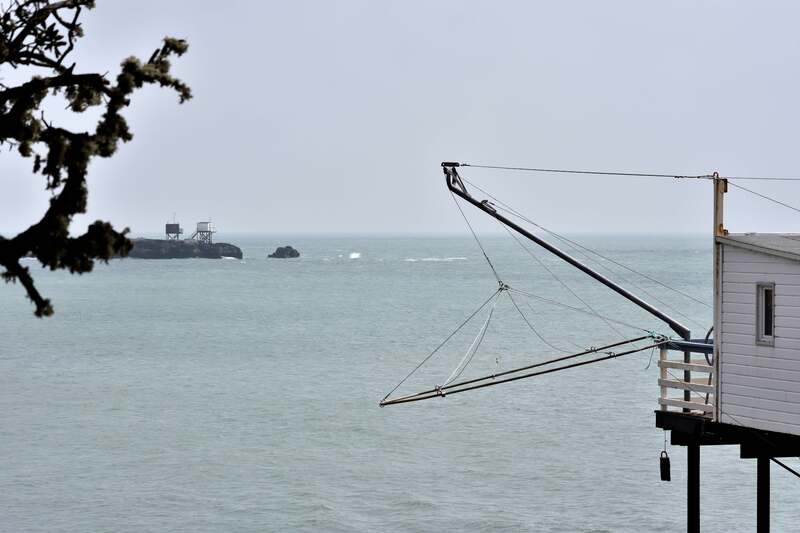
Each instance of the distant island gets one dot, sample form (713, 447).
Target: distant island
(199, 245)
(184, 249)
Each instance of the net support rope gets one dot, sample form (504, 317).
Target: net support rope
(445, 341)
(477, 240)
(473, 348)
(558, 279)
(491, 380)
(575, 245)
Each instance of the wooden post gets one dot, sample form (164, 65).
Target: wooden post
(693, 488)
(687, 377)
(762, 494)
(663, 357)
(720, 188)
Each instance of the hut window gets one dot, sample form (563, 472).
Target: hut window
(765, 314)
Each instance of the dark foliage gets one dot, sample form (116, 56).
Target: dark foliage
(41, 35)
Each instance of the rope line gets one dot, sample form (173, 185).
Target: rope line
(589, 172)
(533, 329)
(445, 341)
(763, 438)
(575, 249)
(629, 174)
(782, 465)
(496, 275)
(473, 348)
(765, 197)
(439, 392)
(761, 178)
(577, 309)
(519, 215)
(576, 345)
(559, 280)
(601, 349)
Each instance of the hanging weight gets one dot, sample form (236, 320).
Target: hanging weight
(664, 463)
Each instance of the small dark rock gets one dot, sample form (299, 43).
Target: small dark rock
(284, 252)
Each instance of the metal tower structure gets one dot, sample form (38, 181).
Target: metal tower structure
(204, 232)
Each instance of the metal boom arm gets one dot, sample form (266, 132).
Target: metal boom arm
(457, 187)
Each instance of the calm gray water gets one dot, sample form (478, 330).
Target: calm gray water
(202, 395)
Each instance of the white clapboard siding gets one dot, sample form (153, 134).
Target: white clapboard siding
(762, 352)
(785, 279)
(768, 372)
(762, 362)
(779, 266)
(745, 256)
(753, 392)
(747, 288)
(763, 383)
(741, 329)
(748, 298)
(739, 318)
(764, 404)
(759, 385)
(780, 342)
(785, 300)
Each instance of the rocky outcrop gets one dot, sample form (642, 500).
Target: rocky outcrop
(163, 249)
(284, 252)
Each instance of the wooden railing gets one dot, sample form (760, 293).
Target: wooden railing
(697, 392)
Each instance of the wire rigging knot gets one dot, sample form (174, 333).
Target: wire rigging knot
(658, 337)
(439, 391)
(503, 286)
(699, 177)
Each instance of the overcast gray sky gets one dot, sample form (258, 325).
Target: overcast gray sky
(333, 116)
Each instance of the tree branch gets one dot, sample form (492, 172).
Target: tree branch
(65, 155)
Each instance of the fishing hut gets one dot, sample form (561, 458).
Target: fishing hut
(205, 231)
(738, 385)
(743, 386)
(173, 231)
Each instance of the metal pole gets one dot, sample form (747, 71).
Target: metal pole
(455, 185)
(762, 494)
(693, 488)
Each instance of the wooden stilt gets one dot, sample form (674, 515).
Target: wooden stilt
(693, 488)
(762, 494)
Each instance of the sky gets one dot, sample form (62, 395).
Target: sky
(333, 117)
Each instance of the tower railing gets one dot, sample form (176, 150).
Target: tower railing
(693, 378)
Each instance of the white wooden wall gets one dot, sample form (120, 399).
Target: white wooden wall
(759, 385)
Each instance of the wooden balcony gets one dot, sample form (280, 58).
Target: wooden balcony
(678, 374)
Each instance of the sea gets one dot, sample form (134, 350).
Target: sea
(234, 395)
